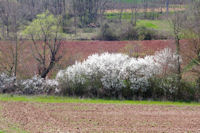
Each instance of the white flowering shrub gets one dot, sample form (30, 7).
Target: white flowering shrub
(167, 59)
(33, 86)
(98, 71)
(166, 84)
(38, 85)
(7, 83)
(113, 72)
(136, 72)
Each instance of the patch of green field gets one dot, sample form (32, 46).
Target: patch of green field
(128, 15)
(148, 24)
(56, 99)
(161, 25)
(12, 129)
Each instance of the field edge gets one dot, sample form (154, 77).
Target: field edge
(60, 99)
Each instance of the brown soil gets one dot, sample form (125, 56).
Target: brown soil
(65, 117)
(73, 51)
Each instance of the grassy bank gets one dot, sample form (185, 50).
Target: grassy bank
(55, 99)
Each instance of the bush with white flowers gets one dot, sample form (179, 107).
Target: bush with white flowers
(37, 85)
(33, 86)
(113, 72)
(7, 83)
(167, 60)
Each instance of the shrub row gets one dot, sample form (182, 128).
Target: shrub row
(109, 33)
(169, 88)
(34, 86)
(112, 76)
(115, 75)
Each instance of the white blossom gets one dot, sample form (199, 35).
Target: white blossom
(117, 70)
(6, 81)
(38, 85)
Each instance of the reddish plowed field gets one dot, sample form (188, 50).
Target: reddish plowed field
(90, 47)
(69, 117)
(78, 50)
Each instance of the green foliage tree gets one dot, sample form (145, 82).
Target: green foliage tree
(46, 35)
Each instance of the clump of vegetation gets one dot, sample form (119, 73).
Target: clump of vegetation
(129, 33)
(113, 75)
(141, 33)
(33, 86)
(7, 83)
(120, 76)
(168, 88)
(107, 33)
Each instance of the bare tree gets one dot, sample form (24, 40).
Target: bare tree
(134, 11)
(89, 11)
(103, 5)
(176, 23)
(167, 7)
(12, 17)
(192, 33)
(5, 10)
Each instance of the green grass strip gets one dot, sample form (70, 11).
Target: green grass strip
(56, 99)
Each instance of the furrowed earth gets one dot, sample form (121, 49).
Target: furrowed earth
(82, 117)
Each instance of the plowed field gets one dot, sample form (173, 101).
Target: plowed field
(76, 117)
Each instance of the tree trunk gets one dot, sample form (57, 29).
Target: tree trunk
(135, 16)
(167, 7)
(178, 60)
(120, 15)
(48, 69)
(16, 54)
(132, 16)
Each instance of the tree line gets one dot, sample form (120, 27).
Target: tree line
(85, 11)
